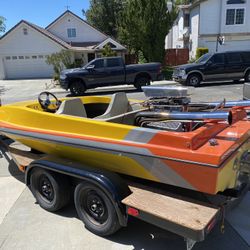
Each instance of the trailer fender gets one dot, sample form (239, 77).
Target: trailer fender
(112, 184)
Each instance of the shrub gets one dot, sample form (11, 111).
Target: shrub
(59, 61)
(200, 52)
(167, 73)
(107, 51)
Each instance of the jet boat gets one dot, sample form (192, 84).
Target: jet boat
(166, 138)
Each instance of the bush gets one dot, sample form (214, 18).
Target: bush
(59, 61)
(167, 73)
(200, 52)
(108, 52)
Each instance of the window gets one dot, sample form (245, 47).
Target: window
(233, 58)
(218, 59)
(186, 20)
(21, 57)
(113, 62)
(71, 32)
(34, 57)
(111, 45)
(239, 16)
(14, 57)
(40, 56)
(25, 31)
(27, 57)
(246, 57)
(236, 1)
(235, 16)
(98, 64)
(7, 57)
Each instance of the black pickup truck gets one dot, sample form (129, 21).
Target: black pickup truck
(108, 72)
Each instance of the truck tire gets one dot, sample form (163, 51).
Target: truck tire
(95, 209)
(141, 81)
(51, 190)
(77, 88)
(193, 80)
(247, 76)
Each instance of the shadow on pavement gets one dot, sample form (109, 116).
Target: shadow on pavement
(211, 84)
(9, 167)
(108, 92)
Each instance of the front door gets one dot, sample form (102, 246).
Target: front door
(97, 76)
(115, 71)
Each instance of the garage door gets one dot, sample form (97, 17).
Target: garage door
(31, 66)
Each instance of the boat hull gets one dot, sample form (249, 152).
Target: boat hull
(188, 160)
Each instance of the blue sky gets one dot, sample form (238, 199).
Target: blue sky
(40, 12)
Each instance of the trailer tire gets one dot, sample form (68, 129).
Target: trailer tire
(51, 190)
(95, 209)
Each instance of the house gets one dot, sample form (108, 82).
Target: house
(219, 25)
(24, 48)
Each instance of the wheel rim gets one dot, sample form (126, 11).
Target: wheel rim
(77, 88)
(93, 205)
(45, 188)
(194, 80)
(248, 77)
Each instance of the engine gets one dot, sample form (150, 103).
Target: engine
(170, 108)
(168, 98)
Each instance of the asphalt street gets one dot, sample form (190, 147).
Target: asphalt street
(24, 225)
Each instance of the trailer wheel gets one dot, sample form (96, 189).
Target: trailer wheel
(95, 209)
(51, 190)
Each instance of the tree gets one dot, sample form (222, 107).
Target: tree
(104, 14)
(2, 24)
(59, 61)
(107, 51)
(144, 26)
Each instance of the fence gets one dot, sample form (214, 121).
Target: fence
(175, 57)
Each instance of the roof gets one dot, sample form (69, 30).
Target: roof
(84, 21)
(40, 30)
(191, 5)
(70, 12)
(56, 39)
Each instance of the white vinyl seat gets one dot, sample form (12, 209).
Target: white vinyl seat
(118, 105)
(72, 107)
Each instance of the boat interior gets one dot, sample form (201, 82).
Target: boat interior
(116, 109)
(172, 110)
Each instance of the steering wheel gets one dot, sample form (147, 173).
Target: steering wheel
(47, 103)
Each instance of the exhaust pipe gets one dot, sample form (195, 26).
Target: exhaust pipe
(229, 104)
(218, 116)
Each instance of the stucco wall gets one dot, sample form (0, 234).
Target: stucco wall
(16, 43)
(2, 72)
(210, 17)
(194, 30)
(175, 37)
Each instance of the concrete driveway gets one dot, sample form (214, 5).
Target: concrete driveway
(24, 225)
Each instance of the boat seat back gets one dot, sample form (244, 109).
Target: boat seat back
(72, 107)
(118, 105)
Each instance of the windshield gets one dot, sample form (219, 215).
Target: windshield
(204, 58)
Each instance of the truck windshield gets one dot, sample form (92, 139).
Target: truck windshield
(99, 63)
(204, 58)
